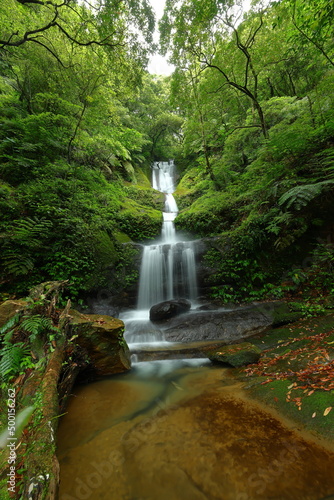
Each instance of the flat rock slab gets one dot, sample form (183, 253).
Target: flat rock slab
(227, 325)
(189, 350)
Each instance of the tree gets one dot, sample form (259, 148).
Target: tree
(209, 31)
(153, 114)
(107, 23)
(313, 21)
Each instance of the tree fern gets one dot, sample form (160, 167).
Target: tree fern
(300, 196)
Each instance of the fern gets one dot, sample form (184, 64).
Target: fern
(327, 161)
(29, 231)
(13, 321)
(36, 325)
(275, 225)
(17, 264)
(300, 196)
(11, 358)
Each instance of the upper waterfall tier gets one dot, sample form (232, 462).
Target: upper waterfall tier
(168, 268)
(163, 176)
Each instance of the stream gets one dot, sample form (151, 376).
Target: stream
(180, 429)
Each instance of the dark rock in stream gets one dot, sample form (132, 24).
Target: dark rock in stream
(228, 325)
(169, 309)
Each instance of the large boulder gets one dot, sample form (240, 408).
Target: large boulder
(102, 339)
(169, 309)
(236, 355)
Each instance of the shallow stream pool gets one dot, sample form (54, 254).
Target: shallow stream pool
(184, 430)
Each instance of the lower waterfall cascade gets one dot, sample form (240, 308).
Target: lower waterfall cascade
(168, 266)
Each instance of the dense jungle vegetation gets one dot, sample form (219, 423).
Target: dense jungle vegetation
(248, 116)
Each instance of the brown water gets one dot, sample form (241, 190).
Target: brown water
(181, 431)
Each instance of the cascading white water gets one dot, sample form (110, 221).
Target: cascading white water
(168, 267)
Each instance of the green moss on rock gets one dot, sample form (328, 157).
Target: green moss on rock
(139, 222)
(102, 339)
(236, 355)
(9, 308)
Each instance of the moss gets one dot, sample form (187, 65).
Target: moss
(121, 237)
(106, 253)
(142, 179)
(138, 221)
(146, 196)
(210, 214)
(287, 351)
(236, 355)
(274, 395)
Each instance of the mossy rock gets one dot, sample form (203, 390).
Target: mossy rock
(142, 179)
(9, 308)
(279, 313)
(121, 237)
(236, 355)
(102, 339)
(105, 250)
(139, 222)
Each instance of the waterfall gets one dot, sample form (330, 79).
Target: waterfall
(168, 266)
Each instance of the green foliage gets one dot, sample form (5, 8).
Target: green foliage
(300, 196)
(36, 324)
(14, 357)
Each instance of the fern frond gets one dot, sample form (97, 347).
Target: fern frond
(300, 196)
(11, 357)
(13, 321)
(36, 324)
(327, 160)
(30, 230)
(276, 223)
(17, 264)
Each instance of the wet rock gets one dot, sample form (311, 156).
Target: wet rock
(207, 307)
(228, 325)
(102, 339)
(169, 309)
(236, 355)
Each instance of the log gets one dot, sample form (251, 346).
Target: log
(41, 479)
